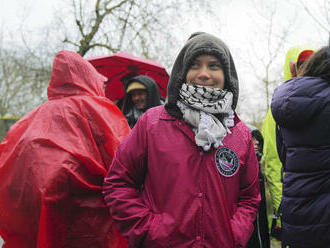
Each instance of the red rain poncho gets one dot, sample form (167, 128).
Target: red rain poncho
(53, 161)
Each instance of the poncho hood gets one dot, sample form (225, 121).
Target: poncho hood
(198, 44)
(72, 76)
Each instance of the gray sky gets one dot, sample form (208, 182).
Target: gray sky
(238, 23)
(242, 24)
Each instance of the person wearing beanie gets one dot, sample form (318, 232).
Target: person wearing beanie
(142, 93)
(187, 175)
(301, 110)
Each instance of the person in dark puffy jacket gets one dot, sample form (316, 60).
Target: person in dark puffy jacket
(301, 109)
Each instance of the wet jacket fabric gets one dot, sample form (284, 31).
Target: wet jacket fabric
(301, 108)
(272, 162)
(153, 97)
(185, 201)
(165, 191)
(53, 161)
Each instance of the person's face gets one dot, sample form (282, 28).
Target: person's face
(255, 144)
(139, 98)
(206, 71)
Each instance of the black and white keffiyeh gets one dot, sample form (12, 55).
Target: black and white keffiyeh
(210, 100)
(198, 105)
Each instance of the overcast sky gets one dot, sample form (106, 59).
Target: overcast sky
(237, 17)
(235, 22)
(238, 22)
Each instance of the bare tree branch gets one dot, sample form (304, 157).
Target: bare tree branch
(110, 48)
(314, 18)
(125, 21)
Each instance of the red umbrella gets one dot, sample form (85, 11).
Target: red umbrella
(121, 66)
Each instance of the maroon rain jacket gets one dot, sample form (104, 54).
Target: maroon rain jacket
(164, 191)
(53, 161)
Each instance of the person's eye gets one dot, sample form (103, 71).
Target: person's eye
(194, 65)
(215, 66)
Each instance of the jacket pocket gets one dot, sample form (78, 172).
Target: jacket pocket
(160, 231)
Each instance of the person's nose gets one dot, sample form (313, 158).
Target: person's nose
(203, 73)
(135, 97)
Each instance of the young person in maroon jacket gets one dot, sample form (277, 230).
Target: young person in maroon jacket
(187, 174)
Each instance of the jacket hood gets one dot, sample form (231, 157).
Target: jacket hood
(153, 94)
(198, 44)
(255, 133)
(293, 55)
(73, 75)
(299, 100)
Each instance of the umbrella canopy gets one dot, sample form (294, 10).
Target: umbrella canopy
(121, 66)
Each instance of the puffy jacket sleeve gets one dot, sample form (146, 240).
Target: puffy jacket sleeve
(273, 164)
(123, 183)
(249, 199)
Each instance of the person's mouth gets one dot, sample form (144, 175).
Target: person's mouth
(203, 83)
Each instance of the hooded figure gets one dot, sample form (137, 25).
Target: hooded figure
(260, 235)
(293, 59)
(139, 84)
(187, 174)
(301, 109)
(53, 161)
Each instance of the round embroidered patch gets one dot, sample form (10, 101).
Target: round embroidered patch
(227, 161)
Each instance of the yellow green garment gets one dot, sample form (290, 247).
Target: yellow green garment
(273, 164)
